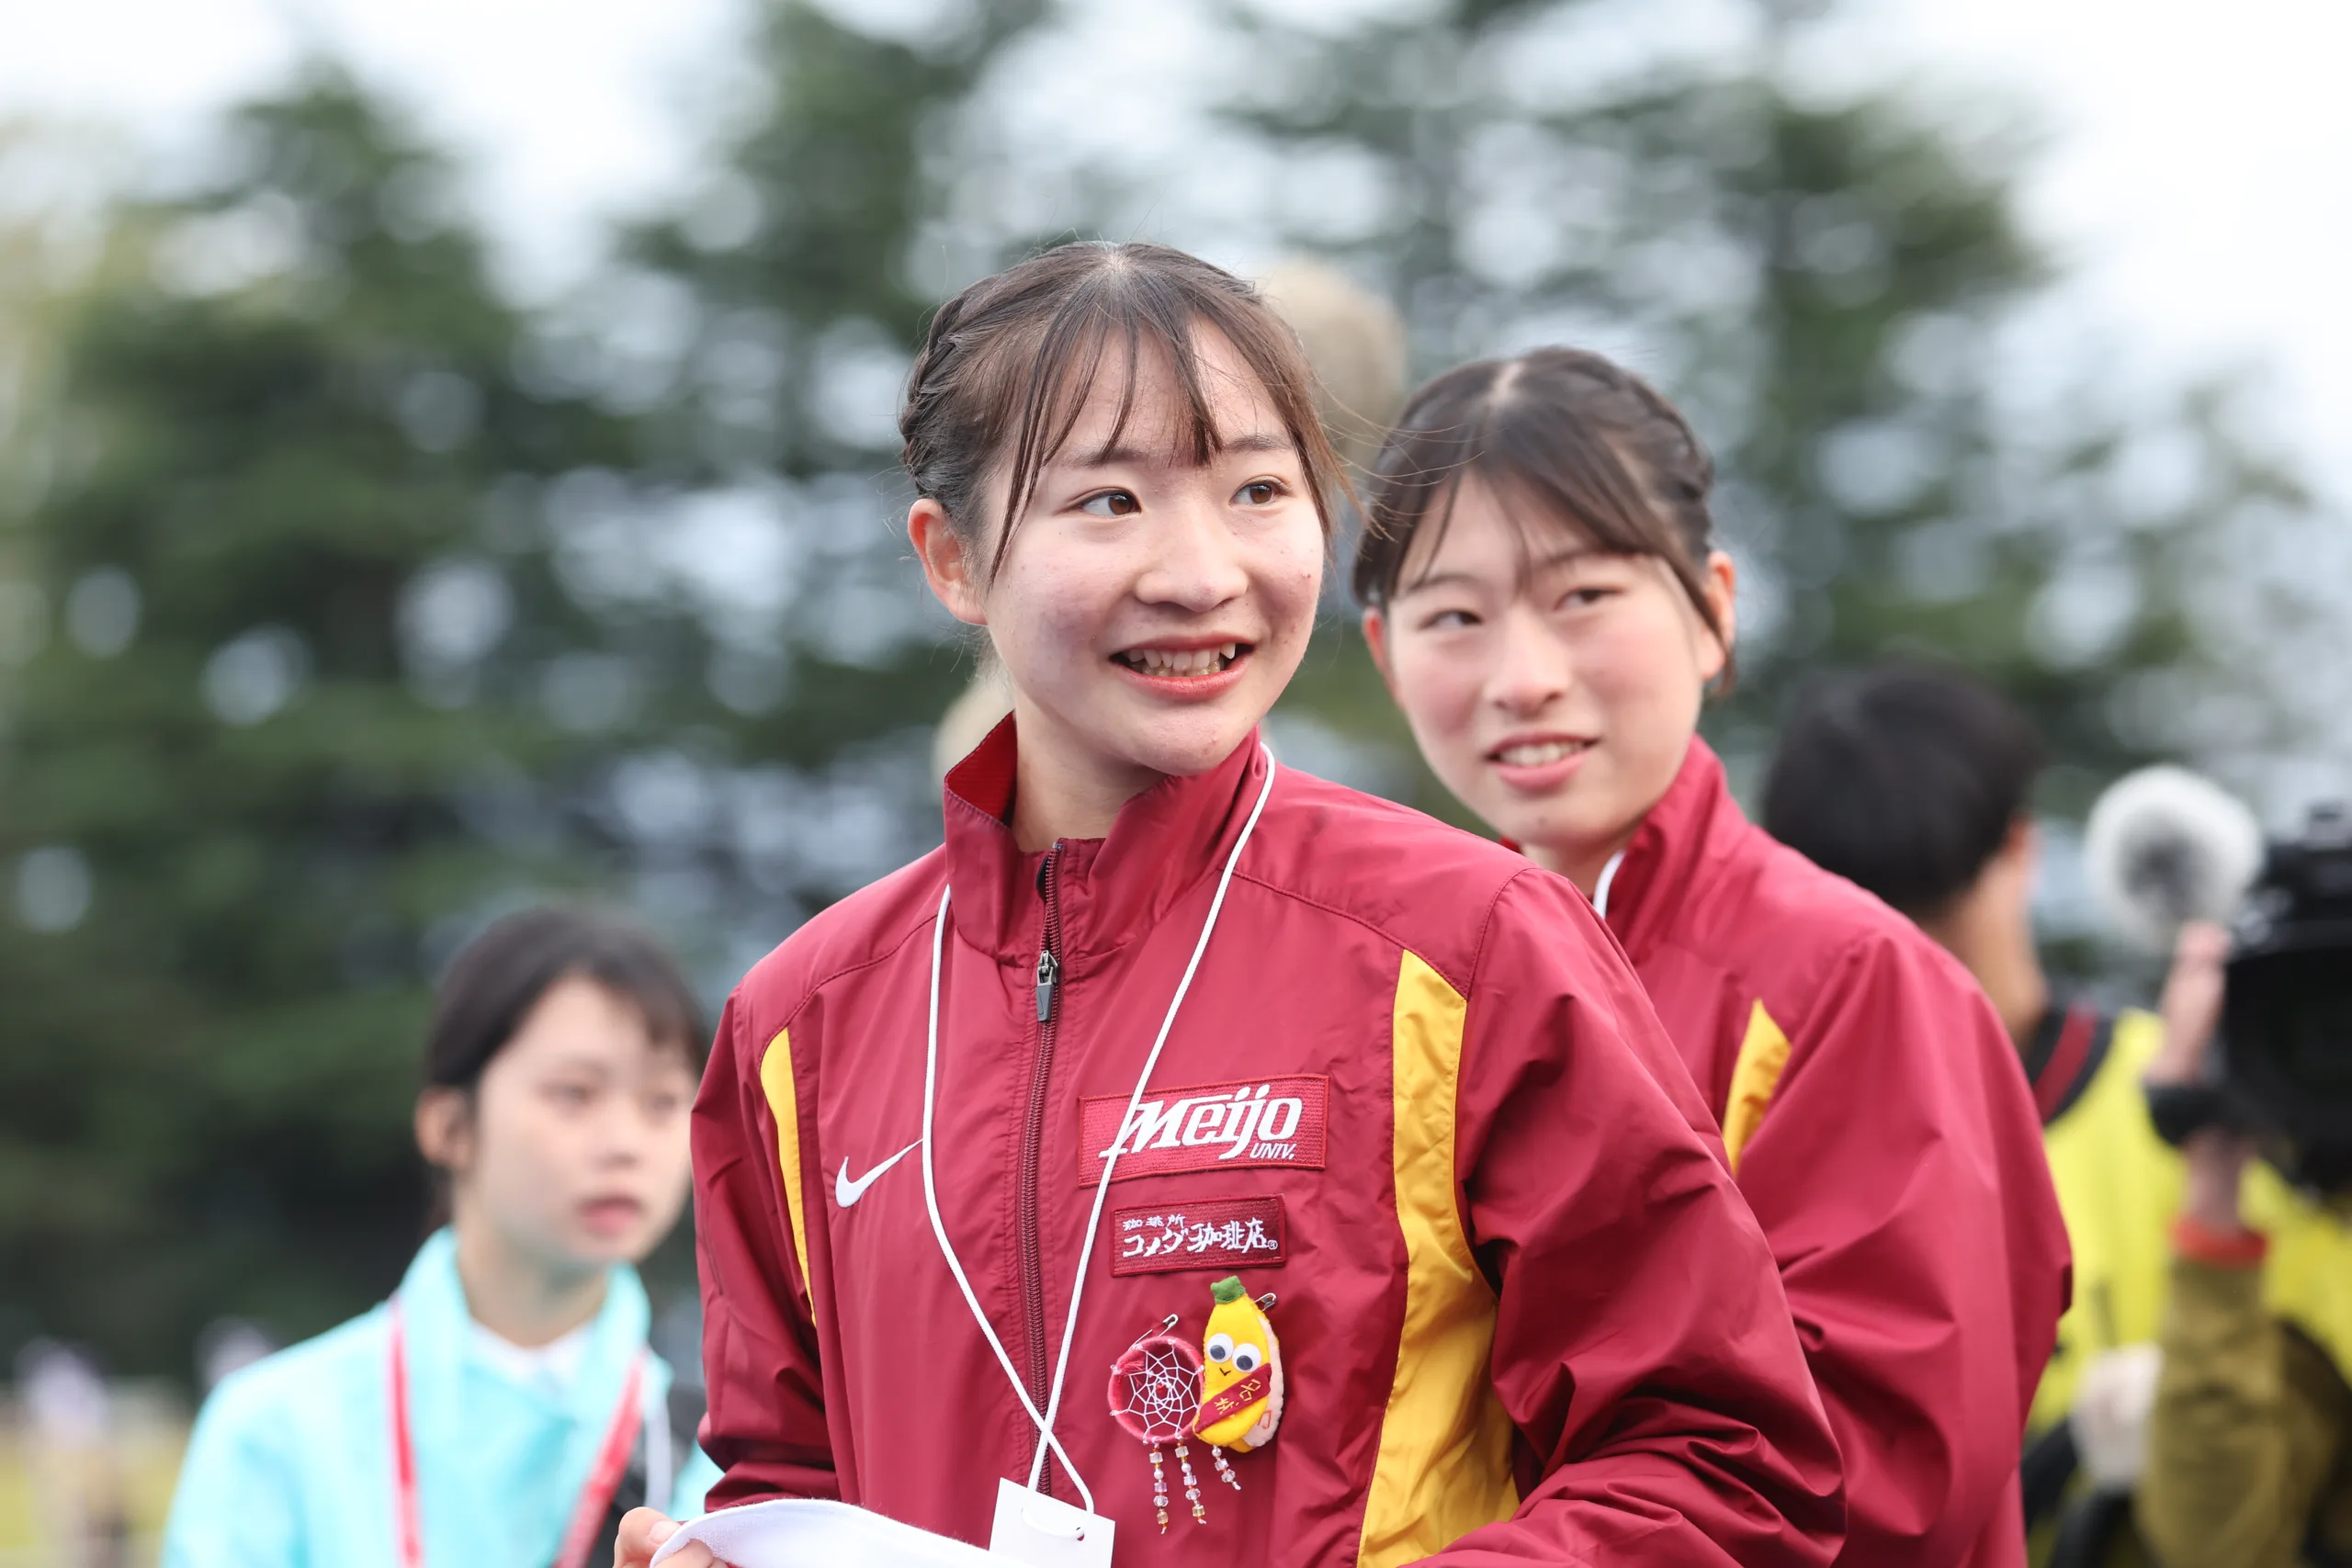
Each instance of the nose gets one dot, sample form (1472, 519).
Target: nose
(623, 1132)
(1195, 564)
(1532, 665)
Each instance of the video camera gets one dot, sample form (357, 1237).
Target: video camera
(2286, 1040)
(2281, 1069)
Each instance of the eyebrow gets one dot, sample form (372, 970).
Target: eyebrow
(1133, 456)
(576, 1060)
(1557, 560)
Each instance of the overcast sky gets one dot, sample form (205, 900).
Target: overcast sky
(2198, 181)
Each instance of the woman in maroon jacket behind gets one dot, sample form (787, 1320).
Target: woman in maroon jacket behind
(1543, 599)
(1162, 1015)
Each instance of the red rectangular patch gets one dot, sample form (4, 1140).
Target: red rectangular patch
(1220, 1126)
(1215, 1233)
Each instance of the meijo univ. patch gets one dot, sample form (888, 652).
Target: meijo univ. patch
(1227, 1126)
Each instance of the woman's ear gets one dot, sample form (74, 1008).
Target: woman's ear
(2022, 846)
(947, 566)
(1376, 638)
(1720, 582)
(445, 1129)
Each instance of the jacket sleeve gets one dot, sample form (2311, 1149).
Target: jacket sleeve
(1899, 1172)
(237, 1501)
(2248, 1424)
(1642, 1348)
(766, 1428)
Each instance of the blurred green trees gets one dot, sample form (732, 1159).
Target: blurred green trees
(344, 603)
(353, 606)
(1916, 459)
(291, 685)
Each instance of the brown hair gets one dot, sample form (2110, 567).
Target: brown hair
(1009, 365)
(1565, 431)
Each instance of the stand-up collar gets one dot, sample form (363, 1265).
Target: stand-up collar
(437, 1326)
(1107, 890)
(1693, 822)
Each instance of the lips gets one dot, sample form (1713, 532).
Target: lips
(1183, 663)
(1539, 763)
(1188, 671)
(1537, 753)
(609, 1216)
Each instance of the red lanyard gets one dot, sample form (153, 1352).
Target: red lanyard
(596, 1499)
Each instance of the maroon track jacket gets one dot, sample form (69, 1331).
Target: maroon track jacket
(1882, 1129)
(1416, 1092)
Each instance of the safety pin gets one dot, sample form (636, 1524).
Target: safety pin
(1165, 1323)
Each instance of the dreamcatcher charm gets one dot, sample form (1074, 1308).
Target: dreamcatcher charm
(1155, 1393)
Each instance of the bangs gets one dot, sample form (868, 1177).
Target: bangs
(1568, 442)
(1045, 378)
(1550, 483)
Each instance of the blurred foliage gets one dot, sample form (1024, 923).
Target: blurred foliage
(247, 774)
(348, 605)
(344, 603)
(1835, 285)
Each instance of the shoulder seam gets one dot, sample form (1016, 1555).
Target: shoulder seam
(1385, 934)
(1487, 921)
(1854, 952)
(809, 992)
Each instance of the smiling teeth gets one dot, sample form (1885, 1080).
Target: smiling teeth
(1539, 753)
(1192, 662)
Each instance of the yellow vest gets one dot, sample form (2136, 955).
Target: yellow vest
(2307, 1279)
(2119, 1186)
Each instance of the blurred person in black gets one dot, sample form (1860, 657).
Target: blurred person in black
(1915, 784)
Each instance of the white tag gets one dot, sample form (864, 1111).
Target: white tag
(1046, 1532)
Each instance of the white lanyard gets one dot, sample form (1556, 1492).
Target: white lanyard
(931, 1187)
(1600, 889)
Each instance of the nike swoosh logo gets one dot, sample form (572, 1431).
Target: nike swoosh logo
(847, 1192)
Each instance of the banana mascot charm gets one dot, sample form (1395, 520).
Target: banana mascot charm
(1241, 1374)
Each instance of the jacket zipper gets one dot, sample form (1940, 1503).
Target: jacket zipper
(1032, 1136)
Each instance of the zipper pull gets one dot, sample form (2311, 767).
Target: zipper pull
(1049, 971)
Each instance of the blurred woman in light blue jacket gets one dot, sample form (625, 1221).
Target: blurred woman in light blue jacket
(503, 1407)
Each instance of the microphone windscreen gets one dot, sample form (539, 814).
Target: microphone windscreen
(2165, 846)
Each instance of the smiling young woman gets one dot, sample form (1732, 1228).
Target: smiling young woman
(1543, 595)
(502, 1407)
(1168, 1048)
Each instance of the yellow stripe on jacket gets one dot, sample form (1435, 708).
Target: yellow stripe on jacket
(1444, 1462)
(1755, 1075)
(784, 1104)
